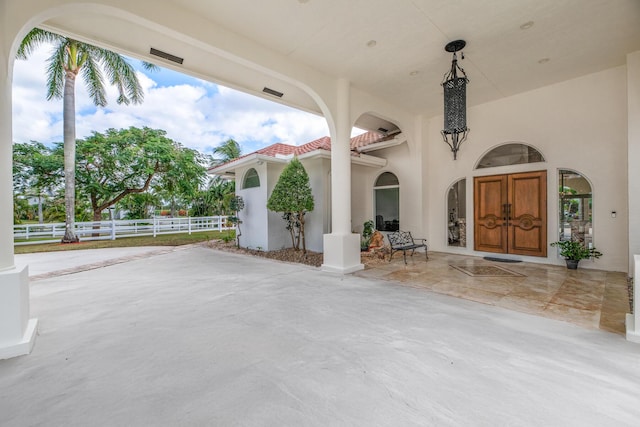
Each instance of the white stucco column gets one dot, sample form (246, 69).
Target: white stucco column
(341, 247)
(633, 171)
(17, 331)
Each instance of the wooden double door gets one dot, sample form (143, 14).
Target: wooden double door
(510, 213)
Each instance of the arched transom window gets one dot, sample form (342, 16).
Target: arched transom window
(387, 202)
(251, 179)
(510, 154)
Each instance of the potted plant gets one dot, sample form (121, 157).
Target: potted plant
(367, 232)
(573, 251)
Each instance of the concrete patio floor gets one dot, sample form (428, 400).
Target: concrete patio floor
(201, 337)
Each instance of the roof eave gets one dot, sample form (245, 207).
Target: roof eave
(250, 159)
(397, 140)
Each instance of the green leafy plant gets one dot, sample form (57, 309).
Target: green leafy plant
(236, 204)
(229, 236)
(292, 197)
(367, 232)
(574, 250)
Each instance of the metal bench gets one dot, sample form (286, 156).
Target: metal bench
(403, 241)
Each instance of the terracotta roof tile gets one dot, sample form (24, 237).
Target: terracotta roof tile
(365, 139)
(324, 143)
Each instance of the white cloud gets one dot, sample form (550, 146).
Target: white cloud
(194, 114)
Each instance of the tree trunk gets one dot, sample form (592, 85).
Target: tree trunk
(304, 243)
(40, 215)
(97, 217)
(69, 126)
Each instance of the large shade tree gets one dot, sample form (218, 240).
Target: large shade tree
(36, 172)
(69, 59)
(118, 163)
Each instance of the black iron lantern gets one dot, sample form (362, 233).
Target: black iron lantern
(455, 101)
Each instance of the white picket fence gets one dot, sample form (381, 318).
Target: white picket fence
(25, 234)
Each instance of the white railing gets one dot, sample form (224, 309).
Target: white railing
(25, 234)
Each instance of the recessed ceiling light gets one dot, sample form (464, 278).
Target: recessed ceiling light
(543, 60)
(372, 43)
(414, 73)
(303, 1)
(526, 25)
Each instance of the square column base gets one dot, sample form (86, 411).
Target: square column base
(633, 334)
(17, 331)
(341, 253)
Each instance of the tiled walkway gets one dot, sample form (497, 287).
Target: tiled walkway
(589, 298)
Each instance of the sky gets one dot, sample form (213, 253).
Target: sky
(196, 113)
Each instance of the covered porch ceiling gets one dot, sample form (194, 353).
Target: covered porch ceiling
(391, 50)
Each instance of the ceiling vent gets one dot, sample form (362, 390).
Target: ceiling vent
(272, 92)
(166, 55)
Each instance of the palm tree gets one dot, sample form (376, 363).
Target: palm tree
(69, 59)
(225, 152)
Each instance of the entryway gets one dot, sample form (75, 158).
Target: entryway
(510, 213)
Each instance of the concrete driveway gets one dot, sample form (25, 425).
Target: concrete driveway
(201, 337)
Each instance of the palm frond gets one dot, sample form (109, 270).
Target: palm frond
(123, 76)
(94, 81)
(56, 71)
(33, 40)
(149, 66)
(226, 151)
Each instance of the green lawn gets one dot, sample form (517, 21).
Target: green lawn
(160, 240)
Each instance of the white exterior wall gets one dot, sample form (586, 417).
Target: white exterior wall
(402, 162)
(633, 153)
(278, 236)
(254, 214)
(316, 224)
(362, 180)
(579, 124)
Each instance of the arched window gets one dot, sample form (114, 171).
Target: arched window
(576, 207)
(510, 154)
(251, 179)
(457, 213)
(387, 202)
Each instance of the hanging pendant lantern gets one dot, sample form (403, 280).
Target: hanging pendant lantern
(455, 101)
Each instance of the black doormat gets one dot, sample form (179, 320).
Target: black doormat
(490, 258)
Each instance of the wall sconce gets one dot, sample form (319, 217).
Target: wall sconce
(455, 101)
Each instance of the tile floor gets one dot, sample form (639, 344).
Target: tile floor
(589, 298)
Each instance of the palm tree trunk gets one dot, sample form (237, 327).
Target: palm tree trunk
(69, 126)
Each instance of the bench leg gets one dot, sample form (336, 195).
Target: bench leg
(404, 254)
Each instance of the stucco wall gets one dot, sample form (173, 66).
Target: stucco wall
(254, 214)
(315, 224)
(403, 162)
(579, 124)
(633, 102)
(278, 236)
